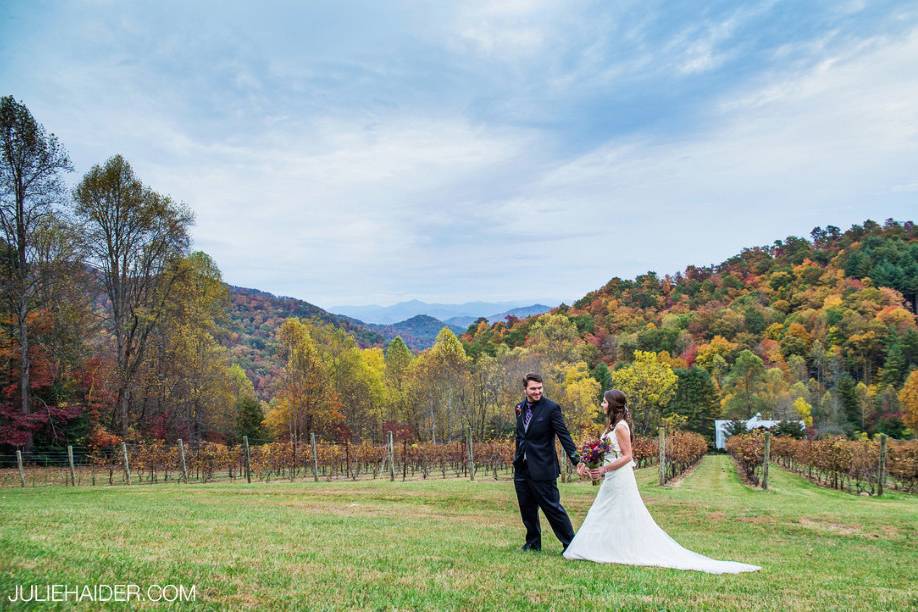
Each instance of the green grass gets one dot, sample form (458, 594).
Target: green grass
(453, 544)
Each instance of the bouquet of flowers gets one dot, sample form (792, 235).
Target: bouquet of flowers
(593, 454)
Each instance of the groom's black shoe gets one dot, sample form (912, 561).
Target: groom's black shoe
(528, 547)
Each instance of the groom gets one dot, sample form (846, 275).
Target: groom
(538, 421)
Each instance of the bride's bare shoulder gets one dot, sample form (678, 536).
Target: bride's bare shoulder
(622, 426)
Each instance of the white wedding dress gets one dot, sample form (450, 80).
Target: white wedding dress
(619, 529)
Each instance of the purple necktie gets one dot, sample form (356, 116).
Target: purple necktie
(527, 417)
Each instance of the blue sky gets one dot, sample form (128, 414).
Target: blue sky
(369, 152)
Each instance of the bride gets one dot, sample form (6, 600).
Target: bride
(618, 528)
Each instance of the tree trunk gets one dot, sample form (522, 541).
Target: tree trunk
(25, 387)
(449, 414)
(123, 401)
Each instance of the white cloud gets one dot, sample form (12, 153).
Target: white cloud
(337, 203)
(509, 29)
(805, 149)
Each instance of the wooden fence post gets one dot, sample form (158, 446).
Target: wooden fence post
(21, 471)
(391, 453)
(347, 458)
(248, 459)
(291, 470)
(471, 447)
(766, 456)
(181, 448)
(662, 455)
(315, 456)
(881, 468)
(127, 465)
(405, 462)
(72, 471)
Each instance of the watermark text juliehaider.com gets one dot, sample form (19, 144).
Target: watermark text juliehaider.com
(25, 593)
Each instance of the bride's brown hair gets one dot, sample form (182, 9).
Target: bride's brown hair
(618, 410)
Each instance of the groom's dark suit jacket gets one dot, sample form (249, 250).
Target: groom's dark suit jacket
(538, 441)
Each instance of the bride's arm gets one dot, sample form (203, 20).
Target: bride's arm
(624, 442)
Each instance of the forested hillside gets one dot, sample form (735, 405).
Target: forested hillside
(253, 318)
(820, 329)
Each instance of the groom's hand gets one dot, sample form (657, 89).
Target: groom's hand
(583, 471)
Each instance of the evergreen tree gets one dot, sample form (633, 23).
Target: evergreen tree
(901, 357)
(696, 399)
(603, 377)
(249, 416)
(846, 390)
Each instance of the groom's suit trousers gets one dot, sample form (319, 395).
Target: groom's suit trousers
(535, 494)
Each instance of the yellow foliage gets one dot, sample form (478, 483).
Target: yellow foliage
(798, 330)
(579, 390)
(908, 397)
(649, 385)
(898, 317)
(774, 331)
(717, 347)
(673, 362)
(306, 399)
(805, 411)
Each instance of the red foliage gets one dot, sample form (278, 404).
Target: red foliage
(16, 429)
(690, 354)
(41, 372)
(400, 431)
(341, 432)
(100, 437)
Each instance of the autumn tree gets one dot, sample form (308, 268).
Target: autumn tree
(556, 337)
(439, 386)
(31, 188)
(198, 388)
(578, 397)
(804, 411)
(306, 400)
(908, 397)
(484, 383)
(358, 377)
(649, 386)
(716, 356)
(398, 360)
(372, 374)
(133, 235)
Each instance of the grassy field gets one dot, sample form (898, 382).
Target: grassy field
(453, 545)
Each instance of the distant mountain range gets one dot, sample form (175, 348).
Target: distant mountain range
(455, 314)
(418, 332)
(254, 316)
(520, 313)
